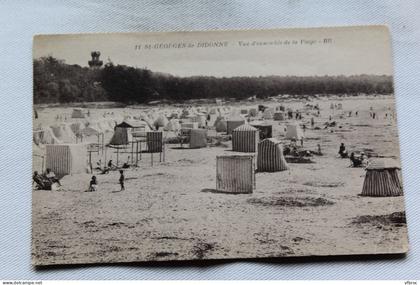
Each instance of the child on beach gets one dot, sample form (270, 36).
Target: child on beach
(122, 180)
(93, 184)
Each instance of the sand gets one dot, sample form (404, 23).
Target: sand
(171, 211)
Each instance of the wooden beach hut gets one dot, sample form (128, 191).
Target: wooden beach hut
(235, 173)
(270, 156)
(382, 179)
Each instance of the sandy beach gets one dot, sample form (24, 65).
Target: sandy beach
(171, 210)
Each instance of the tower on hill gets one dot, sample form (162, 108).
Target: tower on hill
(95, 62)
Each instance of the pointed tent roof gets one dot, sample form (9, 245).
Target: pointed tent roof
(124, 124)
(271, 140)
(138, 123)
(235, 118)
(381, 164)
(244, 128)
(88, 131)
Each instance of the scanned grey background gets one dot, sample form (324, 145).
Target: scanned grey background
(20, 20)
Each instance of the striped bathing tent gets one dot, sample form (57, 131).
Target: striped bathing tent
(382, 179)
(198, 138)
(270, 156)
(245, 139)
(235, 173)
(64, 159)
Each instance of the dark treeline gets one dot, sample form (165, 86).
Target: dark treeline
(58, 82)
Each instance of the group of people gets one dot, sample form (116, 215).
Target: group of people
(93, 184)
(360, 161)
(46, 180)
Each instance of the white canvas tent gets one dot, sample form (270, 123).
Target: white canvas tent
(293, 131)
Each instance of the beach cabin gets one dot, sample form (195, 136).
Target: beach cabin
(235, 174)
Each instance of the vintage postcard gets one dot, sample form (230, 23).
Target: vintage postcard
(215, 145)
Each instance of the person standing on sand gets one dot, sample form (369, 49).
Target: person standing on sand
(122, 180)
(342, 151)
(93, 184)
(319, 149)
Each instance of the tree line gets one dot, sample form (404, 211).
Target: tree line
(58, 82)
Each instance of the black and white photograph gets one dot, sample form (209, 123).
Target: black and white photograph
(215, 145)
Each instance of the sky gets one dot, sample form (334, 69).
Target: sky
(298, 52)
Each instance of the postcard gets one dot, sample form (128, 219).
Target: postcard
(215, 145)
